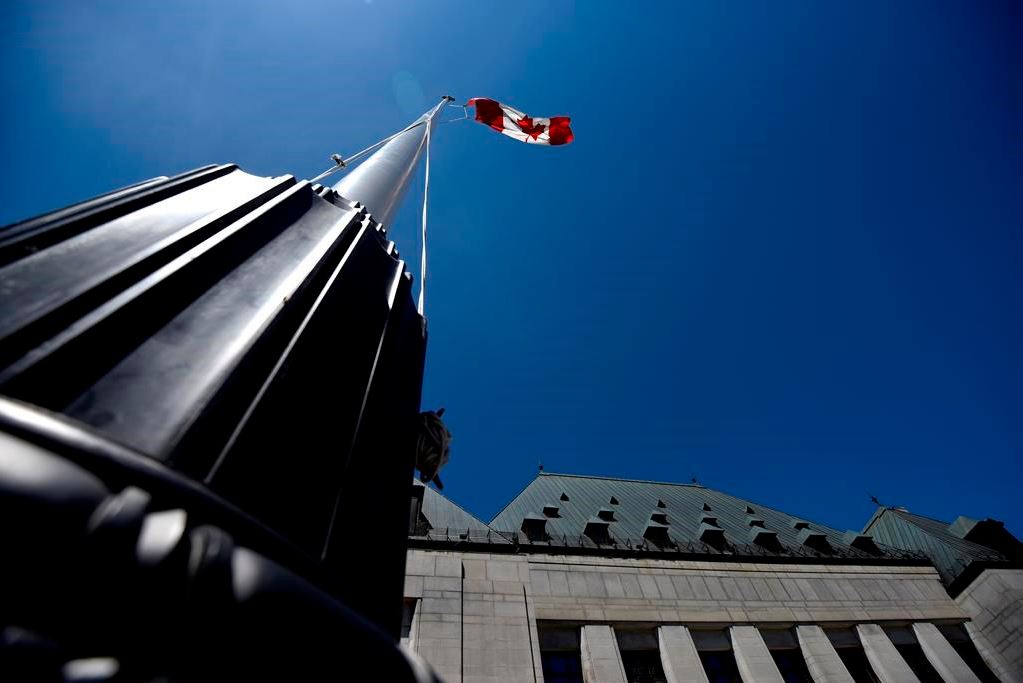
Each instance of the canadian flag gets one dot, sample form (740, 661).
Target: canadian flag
(515, 124)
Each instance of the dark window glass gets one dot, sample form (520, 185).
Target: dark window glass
(643, 666)
(720, 666)
(855, 660)
(917, 660)
(792, 666)
(976, 663)
(562, 666)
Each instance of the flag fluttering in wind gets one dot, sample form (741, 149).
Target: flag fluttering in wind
(515, 124)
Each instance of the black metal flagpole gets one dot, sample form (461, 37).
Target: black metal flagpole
(380, 182)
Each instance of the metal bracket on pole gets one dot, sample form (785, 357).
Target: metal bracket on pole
(381, 180)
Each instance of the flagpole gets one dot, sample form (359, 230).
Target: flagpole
(381, 181)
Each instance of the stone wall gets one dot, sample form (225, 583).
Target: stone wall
(476, 613)
(595, 589)
(474, 620)
(994, 603)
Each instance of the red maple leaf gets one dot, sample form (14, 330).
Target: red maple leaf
(527, 127)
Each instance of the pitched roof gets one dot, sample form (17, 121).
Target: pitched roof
(449, 521)
(699, 520)
(953, 548)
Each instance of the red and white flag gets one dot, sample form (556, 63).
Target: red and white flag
(515, 124)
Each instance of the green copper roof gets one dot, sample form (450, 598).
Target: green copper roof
(447, 520)
(953, 548)
(699, 520)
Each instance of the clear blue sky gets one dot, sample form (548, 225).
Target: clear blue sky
(783, 254)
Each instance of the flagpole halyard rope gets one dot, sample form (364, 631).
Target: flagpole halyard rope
(342, 163)
(426, 193)
(345, 163)
(465, 114)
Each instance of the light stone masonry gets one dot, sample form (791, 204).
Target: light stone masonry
(884, 659)
(594, 589)
(482, 628)
(752, 656)
(942, 656)
(679, 658)
(601, 660)
(822, 661)
(994, 602)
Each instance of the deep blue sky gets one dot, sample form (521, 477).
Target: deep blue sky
(783, 254)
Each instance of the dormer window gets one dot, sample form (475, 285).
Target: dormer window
(709, 520)
(864, 542)
(534, 527)
(815, 540)
(596, 530)
(765, 539)
(711, 535)
(657, 534)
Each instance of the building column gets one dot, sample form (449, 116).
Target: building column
(756, 665)
(822, 661)
(679, 658)
(602, 662)
(942, 656)
(884, 659)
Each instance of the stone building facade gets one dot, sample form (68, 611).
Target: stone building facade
(981, 566)
(593, 579)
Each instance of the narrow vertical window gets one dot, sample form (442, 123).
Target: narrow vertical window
(715, 651)
(641, 658)
(784, 648)
(559, 653)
